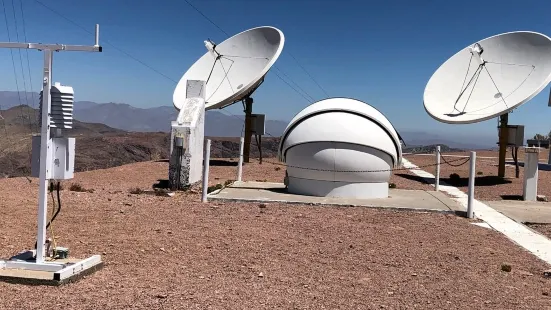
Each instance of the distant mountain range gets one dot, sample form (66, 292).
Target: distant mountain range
(157, 119)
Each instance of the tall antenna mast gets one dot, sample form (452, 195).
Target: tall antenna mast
(46, 167)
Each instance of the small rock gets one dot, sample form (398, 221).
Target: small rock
(128, 204)
(162, 249)
(542, 198)
(161, 296)
(201, 277)
(261, 275)
(506, 267)
(262, 206)
(121, 211)
(545, 293)
(413, 274)
(390, 293)
(547, 273)
(109, 199)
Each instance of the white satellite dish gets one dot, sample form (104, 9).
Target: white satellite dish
(489, 78)
(233, 69)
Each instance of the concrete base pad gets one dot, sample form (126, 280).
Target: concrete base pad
(276, 192)
(523, 211)
(36, 277)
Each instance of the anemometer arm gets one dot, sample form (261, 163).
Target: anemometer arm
(56, 47)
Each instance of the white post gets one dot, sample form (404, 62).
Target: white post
(437, 174)
(97, 35)
(45, 157)
(470, 193)
(240, 164)
(206, 165)
(530, 188)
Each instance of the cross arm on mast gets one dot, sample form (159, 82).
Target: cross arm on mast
(57, 47)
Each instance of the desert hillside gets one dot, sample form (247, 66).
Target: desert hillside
(99, 146)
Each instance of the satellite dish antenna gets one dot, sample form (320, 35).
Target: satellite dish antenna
(490, 78)
(233, 70)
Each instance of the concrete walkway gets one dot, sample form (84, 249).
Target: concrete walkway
(275, 192)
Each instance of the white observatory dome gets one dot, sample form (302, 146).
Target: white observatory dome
(340, 147)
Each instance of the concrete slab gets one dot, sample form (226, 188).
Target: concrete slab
(275, 192)
(523, 211)
(35, 277)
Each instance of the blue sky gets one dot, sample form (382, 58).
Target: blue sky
(380, 52)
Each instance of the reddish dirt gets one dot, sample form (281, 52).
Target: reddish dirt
(177, 253)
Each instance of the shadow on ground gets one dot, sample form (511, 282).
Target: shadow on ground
(489, 180)
(222, 163)
(161, 183)
(511, 197)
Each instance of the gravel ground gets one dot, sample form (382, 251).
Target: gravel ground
(176, 253)
(544, 229)
(488, 185)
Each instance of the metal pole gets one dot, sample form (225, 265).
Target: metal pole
(45, 157)
(97, 35)
(206, 165)
(470, 193)
(240, 164)
(248, 128)
(503, 138)
(437, 175)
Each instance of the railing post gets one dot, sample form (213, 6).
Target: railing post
(240, 164)
(206, 164)
(470, 193)
(437, 174)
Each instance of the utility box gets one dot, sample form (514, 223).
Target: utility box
(515, 135)
(258, 124)
(61, 165)
(530, 185)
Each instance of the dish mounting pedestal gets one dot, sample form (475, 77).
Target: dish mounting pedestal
(28, 266)
(248, 109)
(187, 139)
(503, 142)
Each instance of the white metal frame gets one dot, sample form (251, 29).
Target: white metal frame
(45, 154)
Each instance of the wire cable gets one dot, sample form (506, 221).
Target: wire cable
(12, 59)
(109, 43)
(307, 73)
(29, 66)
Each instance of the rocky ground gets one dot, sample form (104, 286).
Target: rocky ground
(178, 253)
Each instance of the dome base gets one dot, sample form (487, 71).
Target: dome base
(337, 189)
